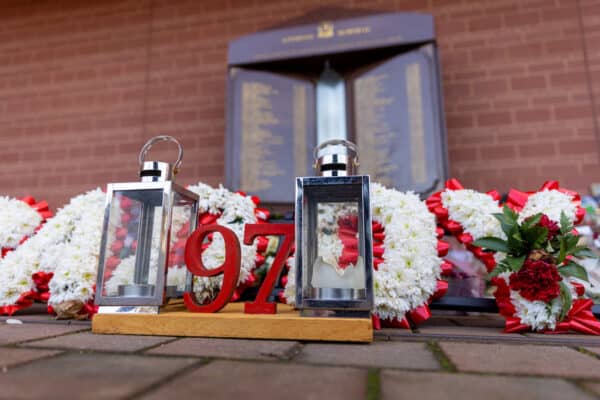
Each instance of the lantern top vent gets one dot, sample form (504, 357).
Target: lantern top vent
(336, 157)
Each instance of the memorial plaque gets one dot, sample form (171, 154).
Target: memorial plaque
(373, 80)
(395, 122)
(271, 134)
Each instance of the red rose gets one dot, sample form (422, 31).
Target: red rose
(552, 226)
(537, 280)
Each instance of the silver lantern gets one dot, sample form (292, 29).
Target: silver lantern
(146, 225)
(334, 270)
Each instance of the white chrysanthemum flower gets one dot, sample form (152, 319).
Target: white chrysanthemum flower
(551, 203)
(408, 275)
(77, 259)
(55, 244)
(474, 211)
(17, 221)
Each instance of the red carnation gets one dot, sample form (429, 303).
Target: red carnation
(537, 280)
(553, 228)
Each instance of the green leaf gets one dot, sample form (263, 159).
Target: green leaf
(575, 270)
(492, 243)
(531, 221)
(508, 264)
(505, 223)
(562, 251)
(567, 300)
(584, 251)
(514, 263)
(535, 236)
(500, 268)
(516, 245)
(565, 224)
(510, 214)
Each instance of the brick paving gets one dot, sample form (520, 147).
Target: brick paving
(449, 357)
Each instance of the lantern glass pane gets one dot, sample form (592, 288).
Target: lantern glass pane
(184, 214)
(133, 245)
(336, 260)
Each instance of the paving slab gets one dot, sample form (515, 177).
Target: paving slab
(393, 354)
(398, 385)
(18, 333)
(90, 341)
(484, 321)
(568, 338)
(259, 381)
(89, 376)
(468, 331)
(522, 360)
(593, 387)
(595, 350)
(229, 348)
(10, 357)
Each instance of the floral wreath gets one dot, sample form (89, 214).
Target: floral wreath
(406, 259)
(69, 238)
(469, 216)
(538, 281)
(548, 309)
(20, 219)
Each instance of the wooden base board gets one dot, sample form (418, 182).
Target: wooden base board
(231, 322)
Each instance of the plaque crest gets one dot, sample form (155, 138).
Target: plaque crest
(325, 30)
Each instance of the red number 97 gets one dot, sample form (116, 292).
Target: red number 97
(232, 264)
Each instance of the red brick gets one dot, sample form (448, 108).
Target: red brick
(490, 88)
(568, 79)
(485, 23)
(528, 83)
(526, 51)
(497, 152)
(532, 115)
(524, 19)
(564, 46)
(537, 150)
(573, 112)
(494, 118)
(577, 147)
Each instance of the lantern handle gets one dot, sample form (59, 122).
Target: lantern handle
(162, 138)
(335, 142)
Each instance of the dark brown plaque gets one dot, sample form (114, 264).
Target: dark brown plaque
(271, 133)
(396, 122)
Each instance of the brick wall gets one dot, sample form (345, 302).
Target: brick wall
(84, 84)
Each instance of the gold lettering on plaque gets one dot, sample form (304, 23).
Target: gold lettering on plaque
(257, 164)
(298, 38)
(359, 30)
(300, 131)
(416, 123)
(373, 131)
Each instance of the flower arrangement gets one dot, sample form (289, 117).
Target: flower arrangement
(536, 281)
(406, 258)
(20, 219)
(66, 238)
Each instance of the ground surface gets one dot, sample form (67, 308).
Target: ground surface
(449, 357)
